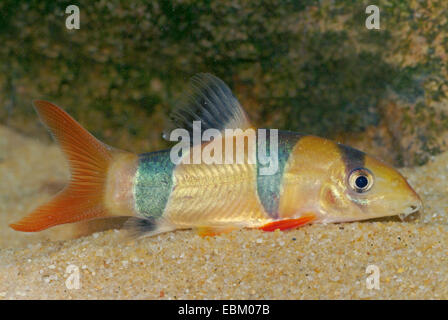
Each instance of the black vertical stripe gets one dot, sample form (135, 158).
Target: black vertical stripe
(351, 157)
(269, 186)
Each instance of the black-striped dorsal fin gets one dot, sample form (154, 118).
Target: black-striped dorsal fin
(209, 100)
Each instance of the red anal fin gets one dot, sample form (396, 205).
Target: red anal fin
(288, 223)
(89, 159)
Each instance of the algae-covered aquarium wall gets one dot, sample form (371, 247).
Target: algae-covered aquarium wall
(370, 74)
(309, 66)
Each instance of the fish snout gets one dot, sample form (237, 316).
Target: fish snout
(415, 206)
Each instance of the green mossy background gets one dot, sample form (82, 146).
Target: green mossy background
(308, 66)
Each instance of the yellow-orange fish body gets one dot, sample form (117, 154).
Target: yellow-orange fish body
(315, 179)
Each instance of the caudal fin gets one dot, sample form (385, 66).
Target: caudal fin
(89, 159)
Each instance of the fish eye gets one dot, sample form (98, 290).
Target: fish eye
(360, 180)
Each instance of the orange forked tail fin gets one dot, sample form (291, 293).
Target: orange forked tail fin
(288, 223)
(89, 159)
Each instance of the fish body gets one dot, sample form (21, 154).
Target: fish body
(316, 180)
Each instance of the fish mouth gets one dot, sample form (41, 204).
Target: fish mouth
(410, 210)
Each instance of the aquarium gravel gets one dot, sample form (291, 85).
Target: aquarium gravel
(314, 262)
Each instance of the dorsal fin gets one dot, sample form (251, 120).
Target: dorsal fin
(210, 101)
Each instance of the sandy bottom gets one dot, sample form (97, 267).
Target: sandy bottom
(324, 262)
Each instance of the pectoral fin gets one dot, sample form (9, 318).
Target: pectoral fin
(288, 223)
